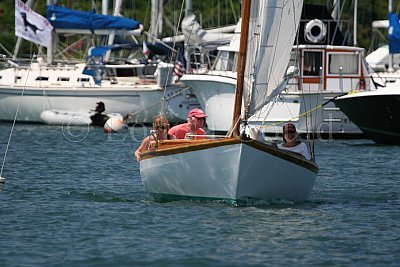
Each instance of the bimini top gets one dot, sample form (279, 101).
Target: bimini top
(65, 18)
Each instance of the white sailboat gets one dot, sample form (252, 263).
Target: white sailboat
(237, 167)
(131, 88)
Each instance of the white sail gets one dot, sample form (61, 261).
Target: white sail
(272, 30)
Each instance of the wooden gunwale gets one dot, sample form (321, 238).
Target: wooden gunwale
(171, 147)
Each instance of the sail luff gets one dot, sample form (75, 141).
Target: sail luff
(241, 67)
(272, 30)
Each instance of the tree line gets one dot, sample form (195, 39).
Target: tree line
(210, 13)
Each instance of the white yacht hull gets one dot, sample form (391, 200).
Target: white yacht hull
(216, 95)
(144, 103)
(232, 170)
(39, 87)
(327, 121)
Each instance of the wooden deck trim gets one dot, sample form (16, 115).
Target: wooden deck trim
(171, 147)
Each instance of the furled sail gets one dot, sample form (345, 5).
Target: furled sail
(65, 18)
(272, 30)
(196, 35)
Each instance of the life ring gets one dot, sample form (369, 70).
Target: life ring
(315, 31)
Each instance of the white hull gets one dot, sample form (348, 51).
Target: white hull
(143, 102)
(232, 171)
(216, 96)
(327, 121)
(68, 88)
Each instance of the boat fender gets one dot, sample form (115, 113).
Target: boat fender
(315, 31)
(114, 124)
(2, 181)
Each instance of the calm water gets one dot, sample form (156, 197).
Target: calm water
(81, 203)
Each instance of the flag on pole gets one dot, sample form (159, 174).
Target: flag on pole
(179, 69)
(394, 34)
(32, 26)
(145, 49)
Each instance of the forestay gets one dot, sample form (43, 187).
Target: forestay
(272, 30)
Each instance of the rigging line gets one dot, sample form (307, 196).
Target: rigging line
(163, 108)
(158, 102)
(303, 114)
(15, 118)
(270, 107)
(230, 132)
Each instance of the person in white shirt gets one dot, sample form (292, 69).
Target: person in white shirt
(292, 143)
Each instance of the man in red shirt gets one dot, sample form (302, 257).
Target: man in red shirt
(195, 122)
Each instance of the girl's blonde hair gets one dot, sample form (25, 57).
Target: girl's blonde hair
(160, 121)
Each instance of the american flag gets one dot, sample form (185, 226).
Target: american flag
(179, 69)
(145, 49)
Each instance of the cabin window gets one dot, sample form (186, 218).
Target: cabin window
(225, 61)
(62, 79)
(42, 78)
(343, 63)
(83, 79)
(312, 63)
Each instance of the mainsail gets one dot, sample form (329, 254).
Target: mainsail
(272, 30)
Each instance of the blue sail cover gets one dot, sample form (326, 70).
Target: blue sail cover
(65, 18)
(394, 34)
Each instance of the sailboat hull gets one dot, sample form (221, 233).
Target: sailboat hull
(143, 102)
(230, 170)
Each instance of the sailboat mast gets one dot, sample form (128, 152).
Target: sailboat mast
(241, 66)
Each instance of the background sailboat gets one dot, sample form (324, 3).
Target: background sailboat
(128, 88)
(234, 167)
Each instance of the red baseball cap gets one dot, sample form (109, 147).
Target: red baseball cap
(197, 113)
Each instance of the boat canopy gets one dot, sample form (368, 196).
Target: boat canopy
(156, 49)
(65, 18)
(98, 51)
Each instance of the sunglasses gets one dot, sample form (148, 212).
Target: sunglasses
(163, 127)
(201, 119)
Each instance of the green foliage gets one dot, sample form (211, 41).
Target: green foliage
(210, 13)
